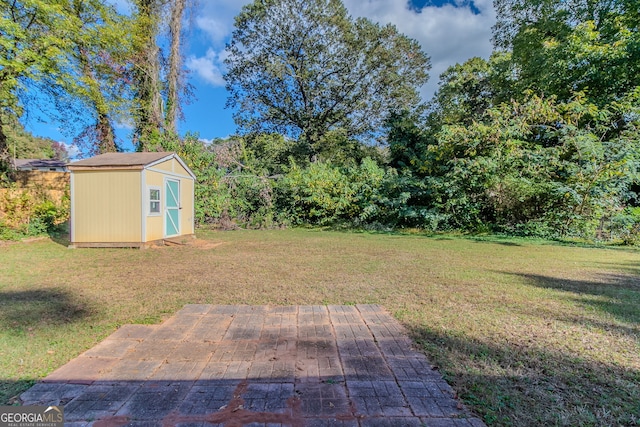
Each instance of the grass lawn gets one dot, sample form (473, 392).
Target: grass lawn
(527, 333)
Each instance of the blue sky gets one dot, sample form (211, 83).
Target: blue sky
(449, 32)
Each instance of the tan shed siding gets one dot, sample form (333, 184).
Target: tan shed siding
(165, 166)
(178, 169)
(172, 167)
(155, 229)
(186, 202)
(107, 206)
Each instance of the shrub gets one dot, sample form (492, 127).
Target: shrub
(30, 213)
(324, 193)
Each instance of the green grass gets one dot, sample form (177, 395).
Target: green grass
(527, 333)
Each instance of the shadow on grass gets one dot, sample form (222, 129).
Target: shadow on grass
(20, 310)
(497, 238)
(61, 239)
(60, 234)
(11, 390)
(495, 241)
(626, 267)
(519, 384)
(615, 294)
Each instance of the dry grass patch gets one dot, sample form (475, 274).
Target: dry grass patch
(528, 333)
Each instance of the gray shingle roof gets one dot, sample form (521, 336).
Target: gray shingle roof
(38, 163)
(121, 159)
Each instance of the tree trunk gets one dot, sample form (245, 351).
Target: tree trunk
(104, 132)
(149, 115)
(175, 65)
(107, 140)
(4, 148)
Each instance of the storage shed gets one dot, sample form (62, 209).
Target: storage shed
(130, 200)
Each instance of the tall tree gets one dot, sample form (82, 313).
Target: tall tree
(466, 91)
(305, 68)
(101, 53)
(148, 108)
(561, 47)
(158, 76)
(175, 75)
(33, 45)
(73, 51)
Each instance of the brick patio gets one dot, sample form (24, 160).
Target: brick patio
(232, 366)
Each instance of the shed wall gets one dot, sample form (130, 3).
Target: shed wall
(186, 201)
(155, 224)
(106, 206)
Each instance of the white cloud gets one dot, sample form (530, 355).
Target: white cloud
(216, 19)
(209, 67)
(72, 149)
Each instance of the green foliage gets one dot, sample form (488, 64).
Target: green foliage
(324, 194)
(23, 145)
(75, 53)
(623, 226)
(309, 71)
(469, 89)
(534, 168)
(229, 191)
(33, 42)
(541, 139)
(101, 55)
(268, 154)
(25, 213)
(407, 141)
(563, 47)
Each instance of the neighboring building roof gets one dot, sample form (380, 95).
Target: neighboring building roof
(38, 163)
(122, 159)
(127, 161)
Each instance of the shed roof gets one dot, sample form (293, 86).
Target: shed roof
(38, 163)
(122, 159)
(117, 161)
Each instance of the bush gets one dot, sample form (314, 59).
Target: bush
(624, 227)
(26, 213)
(324, 194)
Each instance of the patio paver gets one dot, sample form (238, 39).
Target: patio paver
(213, 365)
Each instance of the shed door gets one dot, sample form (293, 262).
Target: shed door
(172, 208)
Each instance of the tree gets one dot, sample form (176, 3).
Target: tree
(305, 68)
(174, 78)
(407, 139)
(466, 91)
(75, 53)
(158, 80)
(34, 44)
(101, 56)
(534, 167)
(22, 144)
(563, 47)
(148, 113)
